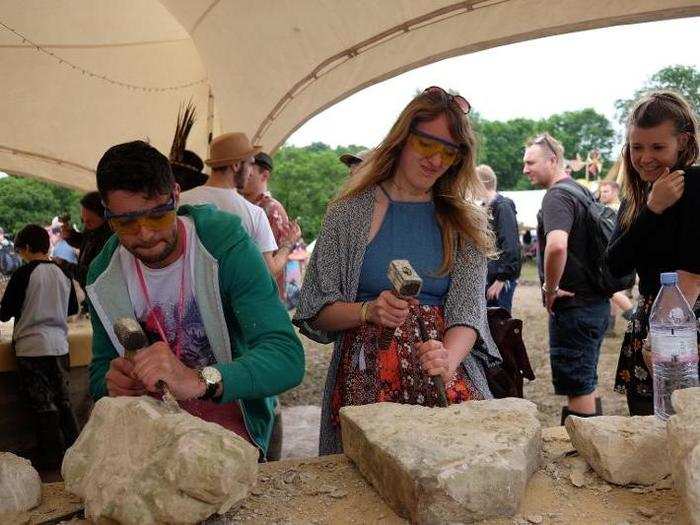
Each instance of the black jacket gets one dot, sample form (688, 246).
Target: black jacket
(505, 225)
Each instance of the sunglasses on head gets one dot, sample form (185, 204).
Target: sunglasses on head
(461, 102)
(157, 218)
(542, 139)
(426, 146)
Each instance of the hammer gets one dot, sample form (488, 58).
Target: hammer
(132, 338)
(406, 284)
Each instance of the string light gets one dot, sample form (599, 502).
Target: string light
(104, 78)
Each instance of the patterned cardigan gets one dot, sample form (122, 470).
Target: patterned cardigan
(333, 274)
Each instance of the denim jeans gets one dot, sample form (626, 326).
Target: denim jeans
(575, 337)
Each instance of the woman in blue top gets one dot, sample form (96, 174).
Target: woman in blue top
(410, 201)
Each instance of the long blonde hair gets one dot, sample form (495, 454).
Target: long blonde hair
(458, 215)
(654, 109)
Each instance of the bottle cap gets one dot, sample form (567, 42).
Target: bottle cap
(668, 278)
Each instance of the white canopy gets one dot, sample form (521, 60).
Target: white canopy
(81, 75)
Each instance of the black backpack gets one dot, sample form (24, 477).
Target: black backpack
(599, 221)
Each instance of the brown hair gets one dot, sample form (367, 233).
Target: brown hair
(652, 110)
(458, 215)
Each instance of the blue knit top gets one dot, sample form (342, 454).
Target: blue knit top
(409, 231)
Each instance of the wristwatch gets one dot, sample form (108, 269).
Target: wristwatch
(211, 377)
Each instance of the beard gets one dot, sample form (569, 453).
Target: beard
(151, 259)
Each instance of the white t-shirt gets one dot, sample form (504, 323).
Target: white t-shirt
(253, 217)
(163, 286)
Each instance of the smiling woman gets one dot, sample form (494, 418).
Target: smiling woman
(406, 202)
(657, 227)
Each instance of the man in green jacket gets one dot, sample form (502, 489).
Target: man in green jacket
(220, 338)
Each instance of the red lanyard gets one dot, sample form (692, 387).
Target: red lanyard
(181, 301)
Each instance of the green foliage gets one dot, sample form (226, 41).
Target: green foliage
(682, 79)
(306, 179)
(24, 201)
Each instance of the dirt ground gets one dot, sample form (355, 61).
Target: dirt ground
(526, 306)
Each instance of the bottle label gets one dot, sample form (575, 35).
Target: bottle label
(679, 346)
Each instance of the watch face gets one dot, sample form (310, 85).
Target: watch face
(211, 375)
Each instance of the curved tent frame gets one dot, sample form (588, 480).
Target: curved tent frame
(81, 75)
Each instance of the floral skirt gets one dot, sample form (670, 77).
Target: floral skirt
(368, 373)
(632, 376)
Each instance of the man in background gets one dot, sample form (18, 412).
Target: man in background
(578, 313)
(286, 232)
(503, 273)
(231, 161)
(610, 194)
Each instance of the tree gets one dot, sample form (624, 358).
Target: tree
(682, 79)
(306, 179)
(24, 201)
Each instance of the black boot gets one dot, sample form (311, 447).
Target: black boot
(565, 412)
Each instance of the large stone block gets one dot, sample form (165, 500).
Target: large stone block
(463, 463)
(137, 463)
(20, 484)
(684, 449)
(622, 450)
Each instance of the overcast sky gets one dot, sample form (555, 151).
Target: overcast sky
(531, 79)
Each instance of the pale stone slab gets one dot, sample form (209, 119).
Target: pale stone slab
(301, 428)
(622, 450)
(460, 464)
(138, 463)
(684, 449)
(20, 484)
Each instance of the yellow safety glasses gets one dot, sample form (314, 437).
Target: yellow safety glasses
(158, 218)
(427, 146)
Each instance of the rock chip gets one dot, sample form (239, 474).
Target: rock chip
(136, 462)
(463, 463)
(20, 484)
(684, 449)
(614, 445)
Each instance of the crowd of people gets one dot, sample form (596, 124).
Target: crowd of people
(199, 261)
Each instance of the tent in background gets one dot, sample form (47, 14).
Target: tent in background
(81, 75)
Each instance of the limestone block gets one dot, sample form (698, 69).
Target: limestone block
(463, 463)
(138, 463)
(622, 450)
(20, 484)
(684, 449)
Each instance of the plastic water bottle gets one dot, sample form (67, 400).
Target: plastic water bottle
(674, 344)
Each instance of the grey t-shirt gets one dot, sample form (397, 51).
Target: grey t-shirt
(40, 297)
(562, 211)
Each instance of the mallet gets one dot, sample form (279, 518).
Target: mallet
(406, 284)
(132, 338)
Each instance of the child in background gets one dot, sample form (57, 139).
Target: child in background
(40, 297)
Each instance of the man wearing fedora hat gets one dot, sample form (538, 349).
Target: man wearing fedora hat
(231, 160)
(193, 279)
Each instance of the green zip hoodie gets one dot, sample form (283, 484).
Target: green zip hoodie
(257, 351)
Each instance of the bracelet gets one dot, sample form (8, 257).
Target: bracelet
(364, 310)
(548, 291)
